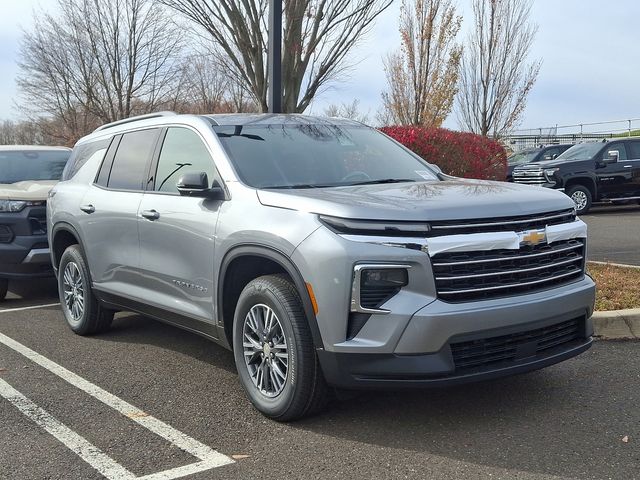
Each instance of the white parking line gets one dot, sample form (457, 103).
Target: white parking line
(89, 453)
(29, 308)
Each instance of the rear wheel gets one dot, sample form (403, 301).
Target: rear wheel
(581, 196)
(274, 351)
(81, 309)
(4, 288)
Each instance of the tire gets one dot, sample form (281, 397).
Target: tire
(4, 288)
(292, 390)
(582, 198)
(83, 313)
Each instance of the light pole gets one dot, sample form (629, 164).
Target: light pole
(275, 56)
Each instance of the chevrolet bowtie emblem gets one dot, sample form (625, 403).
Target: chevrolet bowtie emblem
(533, 237)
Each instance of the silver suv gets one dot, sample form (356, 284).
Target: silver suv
(323, 253)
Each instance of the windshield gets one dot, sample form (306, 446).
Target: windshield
(582, 151)
(316, 156)
(520, 158)
(21, 165)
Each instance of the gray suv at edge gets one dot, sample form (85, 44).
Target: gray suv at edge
(323, 253)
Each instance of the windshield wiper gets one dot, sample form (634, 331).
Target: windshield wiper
(301, 186)
(384, 180)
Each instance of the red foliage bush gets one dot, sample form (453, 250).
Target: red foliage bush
(457, 153)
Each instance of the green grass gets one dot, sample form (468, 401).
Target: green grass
(634, 133)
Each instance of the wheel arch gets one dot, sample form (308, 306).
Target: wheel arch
(586, 182)
(63, 235)
(264, 260)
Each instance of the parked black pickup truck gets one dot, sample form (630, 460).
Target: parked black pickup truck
(590, 172)
(534, 155)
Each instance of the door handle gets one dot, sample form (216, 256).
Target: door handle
(150, 215)
(628, 166)
(88, 208)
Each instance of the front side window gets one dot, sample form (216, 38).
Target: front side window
(183, 151)
(317, 156)
(25, 165)
(132, 159)
(616, 147)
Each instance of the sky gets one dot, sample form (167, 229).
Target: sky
(589, 49)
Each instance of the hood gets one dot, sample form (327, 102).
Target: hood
(30, 190)
(423, 201)
(558, 162)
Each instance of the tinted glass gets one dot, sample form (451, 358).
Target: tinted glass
(550, 153)
(81, 154)
(306, 156)
(616, 147)
(582, 151)
(182, 152)
(132, 159)
(520, 158)
(633, 150)
(18, 166)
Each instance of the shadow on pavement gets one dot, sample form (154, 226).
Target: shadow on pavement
(27, 293)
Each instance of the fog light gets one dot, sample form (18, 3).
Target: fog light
(373, 285)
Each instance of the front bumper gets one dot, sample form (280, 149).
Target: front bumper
(424, 354)
(25, 257)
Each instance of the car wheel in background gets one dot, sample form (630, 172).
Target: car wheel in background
(81, 309)
(274, 351)
(581, 196)
(4, 288)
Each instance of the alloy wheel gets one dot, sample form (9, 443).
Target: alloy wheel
(265, 350)
(73, 291)
(580, 199)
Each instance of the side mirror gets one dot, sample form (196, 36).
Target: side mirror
(613, 157)
(197, 185)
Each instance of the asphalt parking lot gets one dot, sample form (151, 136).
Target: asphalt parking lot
(142, 400)
(614, 234)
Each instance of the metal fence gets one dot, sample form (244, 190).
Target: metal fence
(582, 132)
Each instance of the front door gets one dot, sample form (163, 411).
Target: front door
(614, 179)
(177, 233)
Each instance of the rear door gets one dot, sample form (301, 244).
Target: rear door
(633, 151)
(109, 214)
(177, 233)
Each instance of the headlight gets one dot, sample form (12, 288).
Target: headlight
(549, 173)
(12, 206)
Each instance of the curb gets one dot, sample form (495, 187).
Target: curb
(622, 265)
(617, 324)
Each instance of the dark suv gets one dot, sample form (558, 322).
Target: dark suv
(27, 174)
(534, 155)
(590, 172)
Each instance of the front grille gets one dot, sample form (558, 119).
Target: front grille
(373, 297)
(504, 224)
(483, 275)
(529, 176)
(494, 352)
(6, 234)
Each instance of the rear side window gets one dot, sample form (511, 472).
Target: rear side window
(131, 161)
(634, 150)
(183, 151)
(81, 155)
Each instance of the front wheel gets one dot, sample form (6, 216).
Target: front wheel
(81, 309)
(274, 351)
(4, 288)
(581, 196)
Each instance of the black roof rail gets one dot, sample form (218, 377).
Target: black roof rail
(135, 119)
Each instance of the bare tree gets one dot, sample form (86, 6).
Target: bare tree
(422, 77)
(205, 87)
(318, 36)
(97, 61)
(347, 110)
(495, 77)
